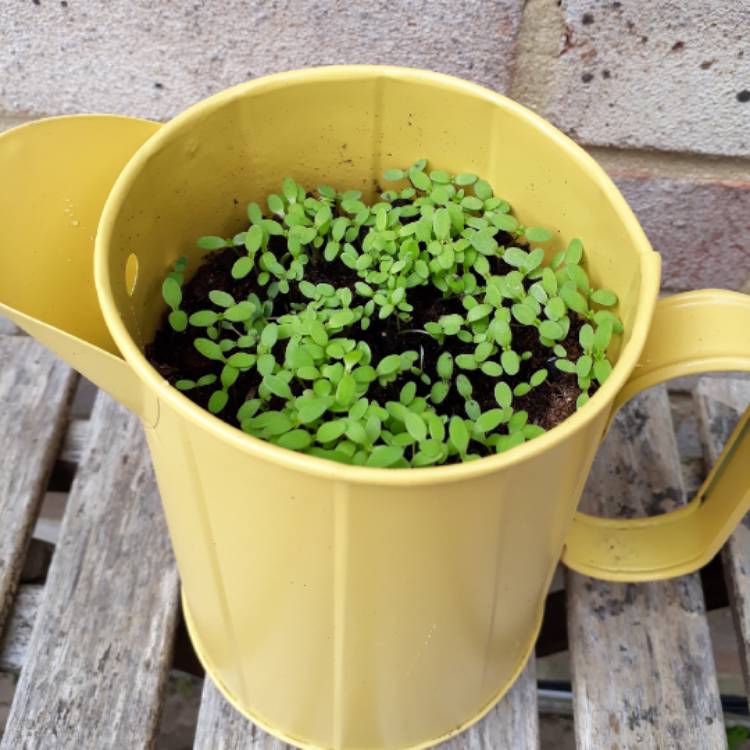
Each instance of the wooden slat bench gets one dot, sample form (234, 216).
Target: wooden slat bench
(643, 670)
(93, 644)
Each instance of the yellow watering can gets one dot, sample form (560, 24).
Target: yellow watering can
(340, 606)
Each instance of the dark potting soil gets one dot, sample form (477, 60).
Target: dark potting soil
(174, 356)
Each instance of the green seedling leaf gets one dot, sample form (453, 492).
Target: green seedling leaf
(275, 204)
(203, 318)
(602, 315)
(221, 299)
(524, 314)
(574, 253)
(478, 312)
(341, 318)
(254, 213)
(211, 243)
(269, 336)
(551, 330)
(602, 337)
(171, 292)
(415, 426)
(241, 360)
(441, 223)
(537, 234)
(218, 401)
(356, 432)
(465, 178)
(491, 419)
(345, 390)
(493, 369)
(507, 442)
(574, 300)
(538, 378)
(586, 337)
(383, 456)
(209, 349)
(389, 365)
(483, 242)
(463, 386)
(604, 297)
(229, 376)
(482, 190)
(242, 267)
(408, 393)
(240, 312)
(277, 386)
(467, 362)
(248, 409)
(330, 431)
(602, 369)
(439, 392)
(458, 434)
(505, 222)
(254, 238)
(420, 180)
(178, 320)
(473, 410)
(579, 277)
(511, 362)
(583, 366)
(555, 309)
(445, 365)
(318, 333)
(295, 440)
(521, 389)
(565, 365)
(440, 176)
(265, 364)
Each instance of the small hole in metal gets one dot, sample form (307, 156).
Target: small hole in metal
(131, 273)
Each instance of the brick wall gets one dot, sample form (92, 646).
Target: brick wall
(659, 92)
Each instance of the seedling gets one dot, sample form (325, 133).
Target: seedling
(322, 280)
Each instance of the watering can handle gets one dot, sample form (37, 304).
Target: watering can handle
(694, 332)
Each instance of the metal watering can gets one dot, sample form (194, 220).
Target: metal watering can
(339, 606)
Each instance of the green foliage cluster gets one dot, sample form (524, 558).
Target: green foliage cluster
(316, 377)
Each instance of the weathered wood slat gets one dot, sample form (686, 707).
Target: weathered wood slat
(720, 402)
(513, 723)
(100, 649)
(36, 389)
(15, 638)
(221, 727)
(8, 328)
(643, 669)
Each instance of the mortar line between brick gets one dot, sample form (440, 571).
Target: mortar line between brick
(677, 165)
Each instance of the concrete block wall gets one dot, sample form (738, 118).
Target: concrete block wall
(658, 92)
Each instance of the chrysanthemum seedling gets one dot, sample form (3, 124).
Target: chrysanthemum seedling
(285, 350)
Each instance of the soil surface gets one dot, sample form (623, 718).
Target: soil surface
(174, 356)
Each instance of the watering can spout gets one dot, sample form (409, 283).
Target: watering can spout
(57, 174)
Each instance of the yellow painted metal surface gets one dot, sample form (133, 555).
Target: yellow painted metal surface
(57, 174)
(346, 607)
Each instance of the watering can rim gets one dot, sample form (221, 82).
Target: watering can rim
(405, 477)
